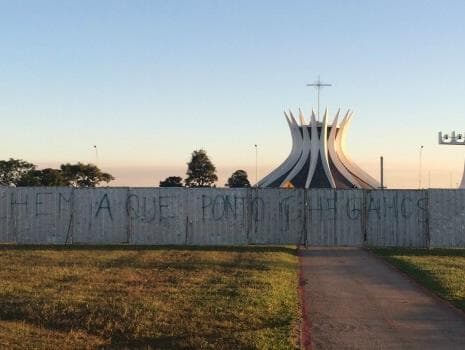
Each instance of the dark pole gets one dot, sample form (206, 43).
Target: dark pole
(256, 165)
(420, 170)
(382, 171)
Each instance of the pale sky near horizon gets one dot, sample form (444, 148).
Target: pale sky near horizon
(150, 81)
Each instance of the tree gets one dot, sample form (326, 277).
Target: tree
(238, 179)
(171, 181)
(12, 170)
(84, 175)
(200, 170)
(44, 177)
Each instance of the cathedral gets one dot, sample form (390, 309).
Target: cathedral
(318, 158)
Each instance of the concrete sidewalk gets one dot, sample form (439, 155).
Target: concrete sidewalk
(356, 301)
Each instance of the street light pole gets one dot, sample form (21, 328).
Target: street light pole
(420, 167)
(96, 155)
(381, 159)
(256, 164)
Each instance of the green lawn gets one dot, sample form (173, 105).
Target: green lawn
(148, 297)
(440, 270)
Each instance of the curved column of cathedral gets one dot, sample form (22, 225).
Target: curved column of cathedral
(332, 145)
(303, 156)
(291, 159)
(314, 149)
(324, 149)
(462, 184)
(348, 162)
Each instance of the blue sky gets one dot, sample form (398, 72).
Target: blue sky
(150, 81)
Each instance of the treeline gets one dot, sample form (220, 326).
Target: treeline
(202, 173)
(17, 172)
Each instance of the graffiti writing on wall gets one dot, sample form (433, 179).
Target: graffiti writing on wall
(149, 209)
(127, 213)
(219, 207)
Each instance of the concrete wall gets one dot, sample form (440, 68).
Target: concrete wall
(403, 218)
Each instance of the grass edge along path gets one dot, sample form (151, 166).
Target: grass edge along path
(149, 297)
(441, 271)
(305, 337)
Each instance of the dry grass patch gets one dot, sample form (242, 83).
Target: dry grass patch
(148, 297)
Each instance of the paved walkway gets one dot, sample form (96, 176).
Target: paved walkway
(356, 301)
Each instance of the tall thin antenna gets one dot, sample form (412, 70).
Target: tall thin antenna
(420, 167)
(256, 164)
(381, 160)
(318, 85)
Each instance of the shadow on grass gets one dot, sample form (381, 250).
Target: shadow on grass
(231, 337)
(423, 276)
(419, 251)
(123, 247)
(419, 275)
(132, 255)
(196, 265)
